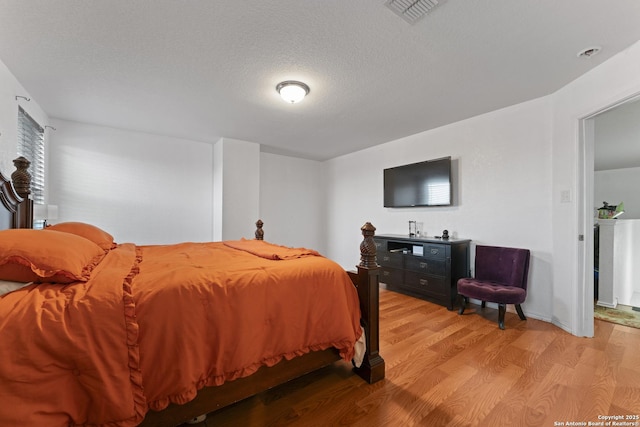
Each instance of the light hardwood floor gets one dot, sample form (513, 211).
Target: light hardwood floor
(449, 370)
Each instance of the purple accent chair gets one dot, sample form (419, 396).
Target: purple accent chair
(500, 277)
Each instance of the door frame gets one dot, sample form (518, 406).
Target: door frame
(586, 214)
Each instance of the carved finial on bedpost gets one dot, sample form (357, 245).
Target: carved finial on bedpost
(21, 177)
(368, 246)
(259, 232)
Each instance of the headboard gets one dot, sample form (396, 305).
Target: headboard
(16, 208)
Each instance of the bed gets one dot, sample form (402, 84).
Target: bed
(117, 334)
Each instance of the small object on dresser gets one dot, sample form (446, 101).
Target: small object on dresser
(445, 234)
(412, 228)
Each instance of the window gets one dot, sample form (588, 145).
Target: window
(31, 146)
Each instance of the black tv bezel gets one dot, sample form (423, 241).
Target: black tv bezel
(411, 165)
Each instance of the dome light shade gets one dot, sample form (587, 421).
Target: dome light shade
(292, 91)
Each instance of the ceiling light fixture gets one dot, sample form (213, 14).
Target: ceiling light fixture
(292, 91)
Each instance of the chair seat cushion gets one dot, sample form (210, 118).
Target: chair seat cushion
(486, 290)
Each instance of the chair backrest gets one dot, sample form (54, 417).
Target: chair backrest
(507, 266)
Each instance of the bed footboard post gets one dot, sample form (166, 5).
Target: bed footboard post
(21, 179)
(259, 231)
(366, 280)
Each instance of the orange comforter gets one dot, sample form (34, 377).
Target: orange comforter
(156, 323)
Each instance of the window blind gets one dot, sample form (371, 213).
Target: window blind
(31, 146)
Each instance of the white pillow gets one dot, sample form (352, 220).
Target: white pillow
(7, 286)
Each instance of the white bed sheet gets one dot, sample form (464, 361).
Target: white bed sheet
(7, 286)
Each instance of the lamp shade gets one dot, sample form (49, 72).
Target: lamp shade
(292, 91)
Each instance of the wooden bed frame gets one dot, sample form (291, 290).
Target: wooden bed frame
(18, 213)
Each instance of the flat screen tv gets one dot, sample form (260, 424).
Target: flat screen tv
(418, 184)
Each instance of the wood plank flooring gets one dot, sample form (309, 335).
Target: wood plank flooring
(443, 369)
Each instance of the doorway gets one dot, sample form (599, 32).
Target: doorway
(591, 159)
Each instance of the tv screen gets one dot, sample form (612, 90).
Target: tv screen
(418, 184)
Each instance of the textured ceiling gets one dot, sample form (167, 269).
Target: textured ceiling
(203, 69)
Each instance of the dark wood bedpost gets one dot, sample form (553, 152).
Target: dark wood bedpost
(259, 232)
(366, 280)
(21, 179)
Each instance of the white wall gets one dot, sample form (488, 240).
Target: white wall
(292, 201)
(142, 188)
(502, 175)
(619, 185)
(236, 188)
(10, 87)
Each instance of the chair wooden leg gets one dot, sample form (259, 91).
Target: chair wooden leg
(462, 301)
(520, 313)
(502, 308)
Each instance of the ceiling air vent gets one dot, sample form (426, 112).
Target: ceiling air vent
(411, 10)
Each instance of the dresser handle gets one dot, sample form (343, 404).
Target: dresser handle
(424, 282)
(386, 258)
(434, 251)
(385, 273)
(424, 265)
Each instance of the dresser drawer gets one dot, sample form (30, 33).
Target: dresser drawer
(390, 276)
(426, 265)
(435, 251)
(390, 259)
(425, 284)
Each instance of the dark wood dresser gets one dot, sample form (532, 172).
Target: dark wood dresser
(427, 268)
